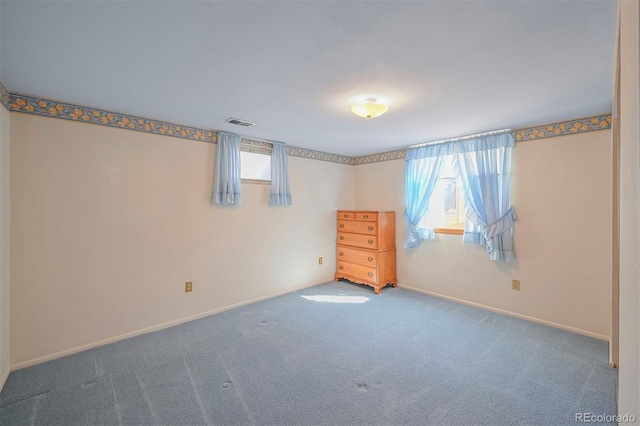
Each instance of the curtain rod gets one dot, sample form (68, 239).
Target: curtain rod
(246, 137)
(461, 138)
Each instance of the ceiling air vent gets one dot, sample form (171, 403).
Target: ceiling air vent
(239, 122)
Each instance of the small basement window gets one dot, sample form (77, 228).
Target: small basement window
(255, 164)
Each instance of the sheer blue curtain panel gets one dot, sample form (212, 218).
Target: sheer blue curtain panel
(423, 166)
(226, 177)
(484, 165)
(280, 188)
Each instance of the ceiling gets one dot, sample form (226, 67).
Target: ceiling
(446, 68)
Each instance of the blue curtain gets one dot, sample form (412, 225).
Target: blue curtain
(226, 174)
(423, 165)
(280, 191)
(484, 165)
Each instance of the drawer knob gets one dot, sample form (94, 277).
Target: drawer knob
(370, 228)
(370, 259)
(370, 274)
(370, 241)
(340, 253)
(341, 267)
(342, 225)
(345, 215)
(341, 237)
(366, 216)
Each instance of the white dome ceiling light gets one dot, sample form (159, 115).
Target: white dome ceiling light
(369, 108)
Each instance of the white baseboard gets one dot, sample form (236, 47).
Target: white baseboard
(66, 352)
(179, 321)
(511, 314)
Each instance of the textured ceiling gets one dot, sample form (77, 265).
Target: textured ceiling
(294, 68)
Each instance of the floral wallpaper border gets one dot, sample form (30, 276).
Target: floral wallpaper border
(398, 154)
(4, 96)
(262, 144)
(582, 125)
(589, 124)
(295, 151)
(48, 108)
(318, 155)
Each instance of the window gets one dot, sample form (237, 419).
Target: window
(446, 213)
(255, 164)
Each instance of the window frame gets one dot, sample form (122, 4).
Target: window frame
(263, 150)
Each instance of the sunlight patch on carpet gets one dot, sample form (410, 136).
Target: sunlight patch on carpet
(341, 298)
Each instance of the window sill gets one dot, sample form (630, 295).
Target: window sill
(449, 231)
(259, 181)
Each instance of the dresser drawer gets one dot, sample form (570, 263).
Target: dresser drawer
(372, 216)
(358, 240)
(369, 228)
(359, 256)
(346, 215)
(359, 272)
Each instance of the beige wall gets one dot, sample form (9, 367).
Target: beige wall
(562, 196)
(629, 378)
(108, 225)
(4, 247)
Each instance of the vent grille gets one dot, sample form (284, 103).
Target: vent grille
(239, 122)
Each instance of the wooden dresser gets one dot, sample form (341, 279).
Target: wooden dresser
(366, 249)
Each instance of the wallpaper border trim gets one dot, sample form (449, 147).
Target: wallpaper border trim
(562, 128)
(28, 104)
(4, 96)
(82, 114)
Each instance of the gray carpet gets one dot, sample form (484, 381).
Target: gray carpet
(397, 358)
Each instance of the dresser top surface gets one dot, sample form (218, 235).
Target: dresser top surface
(368, 211)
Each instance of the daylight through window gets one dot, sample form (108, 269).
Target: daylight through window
(446, 207)
(255, 164)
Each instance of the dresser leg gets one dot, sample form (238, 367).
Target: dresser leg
(377, 290)
(394, 284)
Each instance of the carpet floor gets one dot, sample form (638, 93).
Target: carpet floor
(333, 354)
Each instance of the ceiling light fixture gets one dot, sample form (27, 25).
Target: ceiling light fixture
(369, 108)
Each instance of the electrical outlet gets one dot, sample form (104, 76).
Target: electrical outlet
(319, 261)
(515, 284)
(188, 286)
